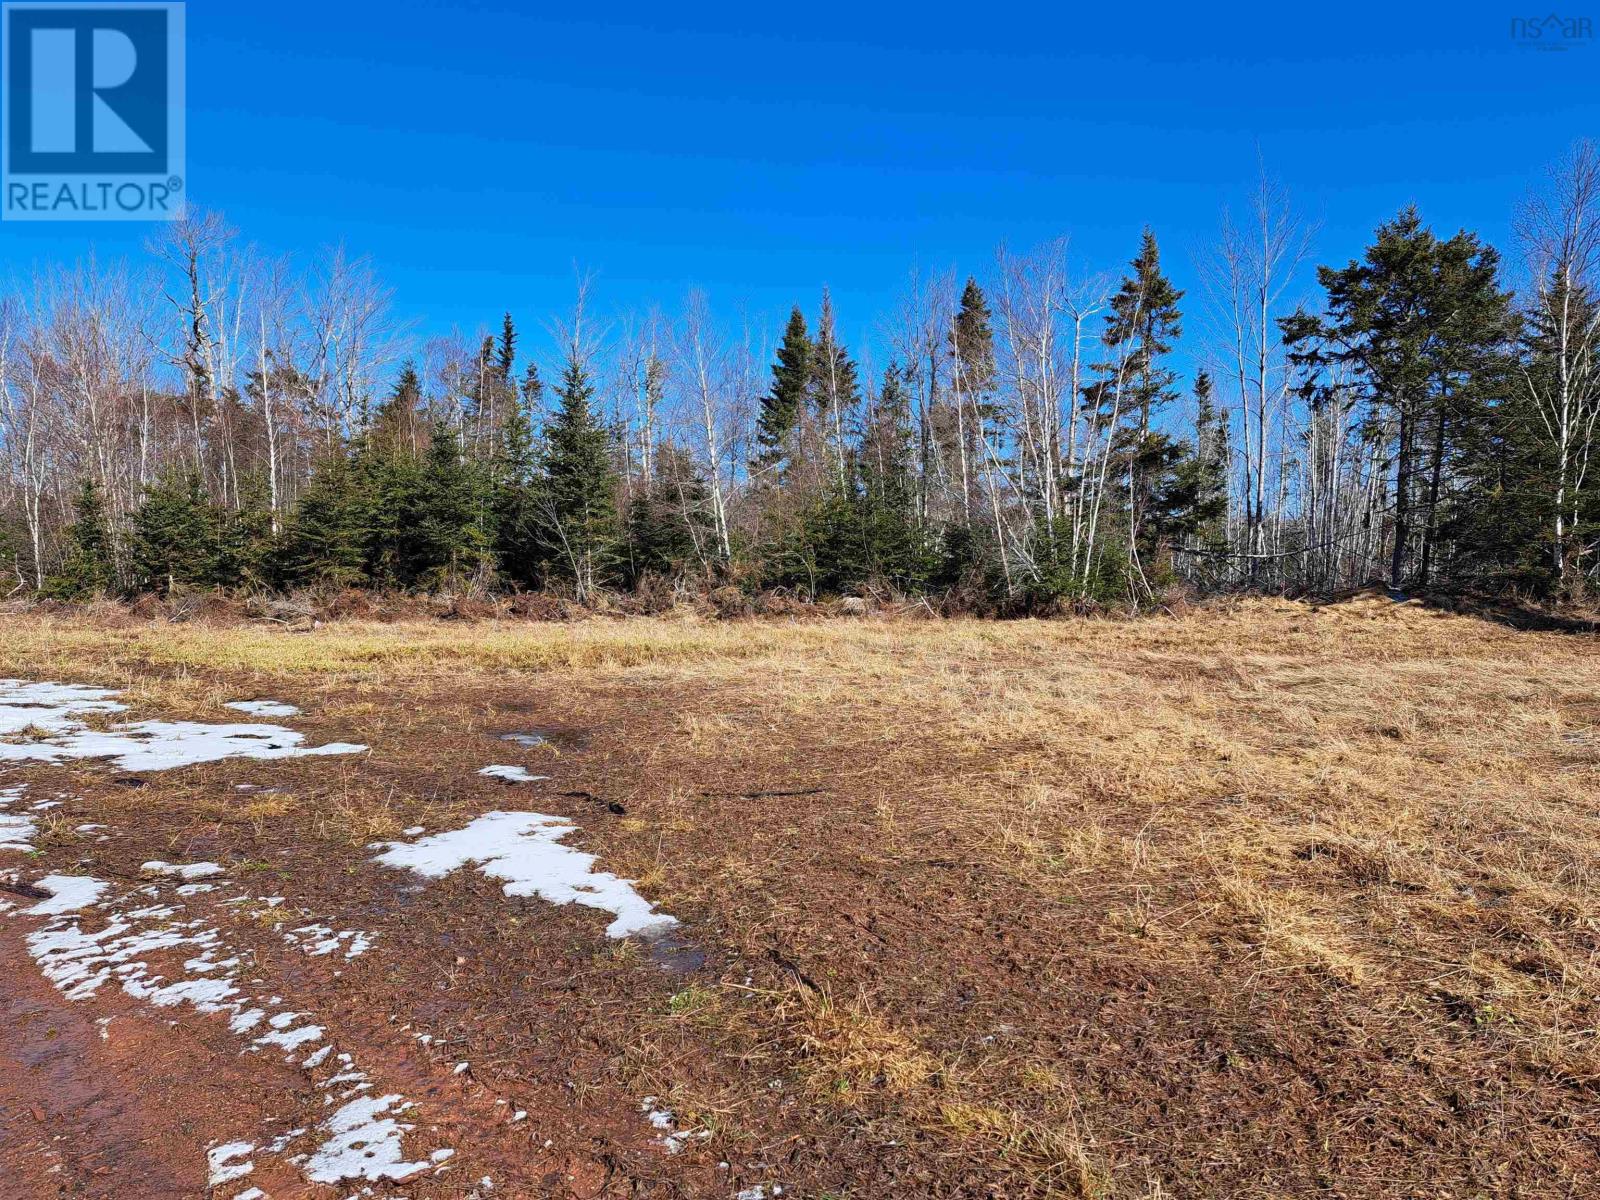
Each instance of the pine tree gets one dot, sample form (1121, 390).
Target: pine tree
(579, 500)
(87, 568)
(175, 535)
(783, 406)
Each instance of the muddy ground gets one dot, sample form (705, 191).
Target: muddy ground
(1279, 901)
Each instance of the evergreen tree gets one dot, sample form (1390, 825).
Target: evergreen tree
(87, 567)
(1421, 326)
(246, 546)
(516, 501)
(669, 528)
(579, 500)
(1142, 327)
(972, 344)
(447, 516)
(327, 542)
(783, 405)
(398, 423)
(1212, 463)
(972, 368)
(895, 549)
(506, 350)
(835, 388)
(175, 535)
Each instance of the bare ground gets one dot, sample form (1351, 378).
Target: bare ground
(1268, 900)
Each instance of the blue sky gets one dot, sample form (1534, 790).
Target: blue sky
(477, 152)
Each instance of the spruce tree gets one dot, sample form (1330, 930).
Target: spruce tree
(398, 423)
(784, 403)
(894, 543)
(87, 567)
(1212, 461)
(579, 501)
(1421, 326)
(175, 535)
(448, 516)
(835, 387)
(325, 542)
(506, 350)
(246, 546)
(1145, 324)
(516, 501)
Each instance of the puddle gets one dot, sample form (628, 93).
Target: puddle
(674, 953)
(263, 708)
(512, 774)
(548, 735)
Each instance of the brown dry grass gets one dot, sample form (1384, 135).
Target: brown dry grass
(1261, 899)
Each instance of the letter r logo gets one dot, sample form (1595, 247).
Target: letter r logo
(87, 88)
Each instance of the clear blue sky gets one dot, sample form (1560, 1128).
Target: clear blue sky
(476, 152)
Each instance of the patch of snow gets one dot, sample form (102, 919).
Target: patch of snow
(363, 1137)
(16, 829)
(761, 1191)
(365, 1143)
(68, 893)
(251, 1194)
(413, 831)
(263, 708)
(320, 940)
(225, 1162)
(50, 710)
(512, 774)
(524, 849)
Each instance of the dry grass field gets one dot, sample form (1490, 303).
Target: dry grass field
(1259, 900)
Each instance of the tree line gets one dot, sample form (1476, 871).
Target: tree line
(1038, 437)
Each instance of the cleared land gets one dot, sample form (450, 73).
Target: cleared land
(1256, 901)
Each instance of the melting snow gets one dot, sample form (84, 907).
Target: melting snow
(362, 1138)
(666, 1120)
(225, 1162)
(68, 893)
(49, 712)
(365, 1144)
(263, 708)
(16, 829)
(524, 850)
(512, 774)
